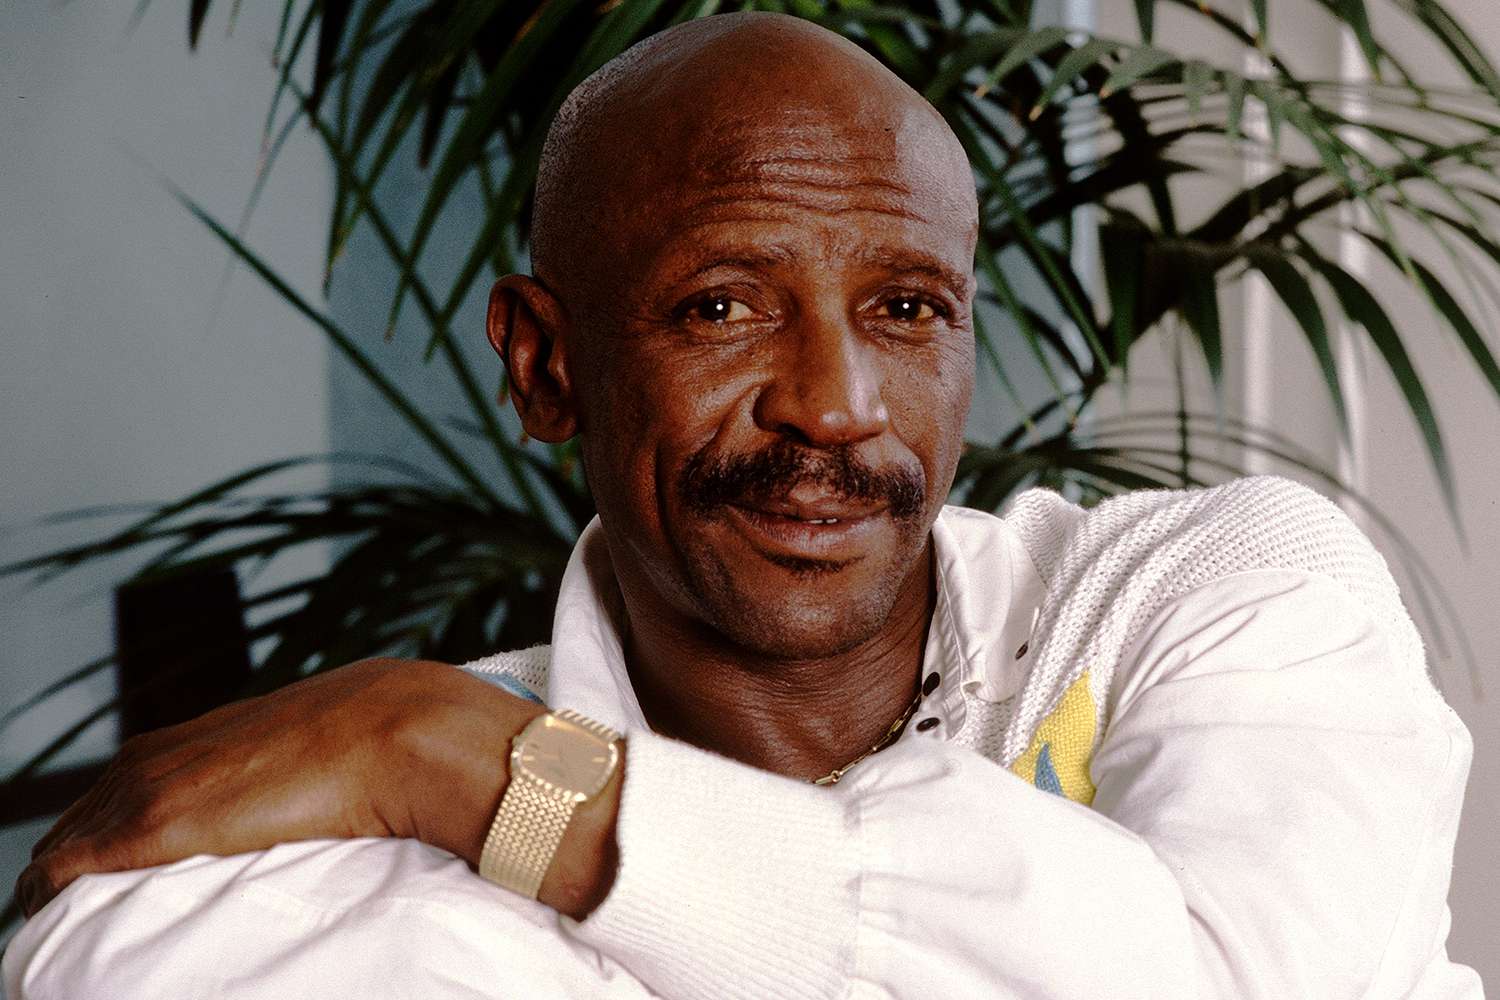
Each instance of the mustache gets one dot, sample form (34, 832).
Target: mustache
(778, 470)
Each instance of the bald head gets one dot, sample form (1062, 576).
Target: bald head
(710, 107)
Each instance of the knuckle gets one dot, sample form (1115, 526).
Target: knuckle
(146, 814)
(44, 878)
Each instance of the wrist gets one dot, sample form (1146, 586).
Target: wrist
(583, 870)
(452, 757)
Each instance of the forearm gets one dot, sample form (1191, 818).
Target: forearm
(379, 748)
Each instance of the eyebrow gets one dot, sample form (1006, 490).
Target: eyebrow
(918, 262)
(748, 260)
(890, 258)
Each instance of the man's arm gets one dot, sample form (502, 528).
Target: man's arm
(381, 748)
(1277, 801)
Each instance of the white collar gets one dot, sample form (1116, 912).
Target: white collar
(988, 593)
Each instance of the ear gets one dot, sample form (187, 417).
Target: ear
(525, 326)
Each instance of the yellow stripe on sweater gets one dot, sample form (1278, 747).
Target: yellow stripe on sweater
(1058, 758)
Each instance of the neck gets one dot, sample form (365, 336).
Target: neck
(801, 718)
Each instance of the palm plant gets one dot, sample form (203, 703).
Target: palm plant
(461, 562)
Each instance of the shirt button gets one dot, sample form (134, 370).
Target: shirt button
(927, 723)
(1022, 651)
(931, 683)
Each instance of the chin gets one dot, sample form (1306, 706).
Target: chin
(810, 613)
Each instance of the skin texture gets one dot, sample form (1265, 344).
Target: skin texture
(757, 320)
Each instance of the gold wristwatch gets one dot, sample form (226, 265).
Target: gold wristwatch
(560, 760)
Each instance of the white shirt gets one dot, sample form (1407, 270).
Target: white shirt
(1274, 802)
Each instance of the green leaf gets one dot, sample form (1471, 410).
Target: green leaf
(288, 61)
(197, 13)
(400, 69)
(1234, 89)
(287, 7)
(1061, 281)
(977, 49)
(1296, 293)
(889, 41)
(985, 345)
(335, 17)
(1262, 27)
(1197, 79)
(1443, 26)
(1145, 16)
(485, 110)
(1358, 19)
(1027, 48)
(1124, 273)
(141, 530)
(442, 336)
(989, 266)
(1139, 63)
(1361, 307)
(1449, 308)
(1072, 66)
(1200, 307)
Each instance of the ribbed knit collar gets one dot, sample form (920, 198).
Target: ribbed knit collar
(987, 595)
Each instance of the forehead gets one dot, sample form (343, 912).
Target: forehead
(891, 164)
(871, 187)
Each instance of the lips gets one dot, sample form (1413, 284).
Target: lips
(824, 509)
(825, 530)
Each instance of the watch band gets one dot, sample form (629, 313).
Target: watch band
(528, 827)
(532, 818)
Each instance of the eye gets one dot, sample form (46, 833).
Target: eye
(720, 309)
(908, 308)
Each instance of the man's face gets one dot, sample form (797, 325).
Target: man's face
(773, 364)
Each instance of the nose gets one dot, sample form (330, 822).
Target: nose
(826, 386)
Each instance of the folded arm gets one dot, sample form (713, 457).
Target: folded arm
(1276, 804)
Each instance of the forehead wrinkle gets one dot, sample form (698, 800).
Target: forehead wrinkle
(826, 199)
(802, 173)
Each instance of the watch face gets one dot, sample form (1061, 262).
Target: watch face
(565, 756)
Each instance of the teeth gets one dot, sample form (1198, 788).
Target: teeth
(823, 520)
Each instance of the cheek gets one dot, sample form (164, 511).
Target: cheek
(928, 399)
(646, 414)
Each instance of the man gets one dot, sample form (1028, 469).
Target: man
(1182, 745)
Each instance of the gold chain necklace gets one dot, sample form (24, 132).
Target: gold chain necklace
(891, 734)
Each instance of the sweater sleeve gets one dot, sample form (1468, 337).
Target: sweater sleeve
(1277, 799)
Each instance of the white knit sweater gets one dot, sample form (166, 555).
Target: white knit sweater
(1256, 791)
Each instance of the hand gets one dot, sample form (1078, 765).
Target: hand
(380, 748)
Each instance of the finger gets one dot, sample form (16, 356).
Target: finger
(100, 840)
(99, 795)
(43, 879)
